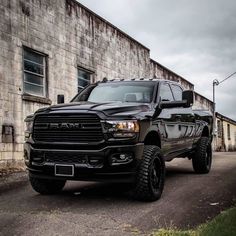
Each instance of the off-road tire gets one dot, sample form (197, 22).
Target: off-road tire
(46, 186)
(202, 157)
(150, 176)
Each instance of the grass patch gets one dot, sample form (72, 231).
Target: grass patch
(222, 225)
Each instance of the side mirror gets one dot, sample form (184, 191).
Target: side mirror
(188, 97)
(172, 104)
(187, 101)
(60, 98)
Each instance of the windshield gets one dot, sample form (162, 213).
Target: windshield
(140, 92)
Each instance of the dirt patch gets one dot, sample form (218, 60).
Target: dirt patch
(7, 168)
(5, 172)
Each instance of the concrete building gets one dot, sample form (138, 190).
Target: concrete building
(50, 47)
(225, 138)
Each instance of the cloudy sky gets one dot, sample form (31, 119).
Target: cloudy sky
(194, 38)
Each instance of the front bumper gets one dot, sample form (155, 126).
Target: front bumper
(92, 165)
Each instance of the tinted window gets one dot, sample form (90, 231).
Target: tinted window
(119, 91)
(177, 91)
(165, 93)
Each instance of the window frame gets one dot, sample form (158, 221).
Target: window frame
(172, 89)
(79, 87)
(43, 76)
(228, 132)
(166, 84)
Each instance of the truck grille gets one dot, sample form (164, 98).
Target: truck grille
(82, 128)
(65, 158)
(73, 158)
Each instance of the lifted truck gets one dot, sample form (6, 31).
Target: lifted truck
(118, 130)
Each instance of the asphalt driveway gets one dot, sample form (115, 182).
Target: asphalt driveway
(86, 208)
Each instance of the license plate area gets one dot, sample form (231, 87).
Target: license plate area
(64, 170)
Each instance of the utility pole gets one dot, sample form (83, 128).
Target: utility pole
(216, 83)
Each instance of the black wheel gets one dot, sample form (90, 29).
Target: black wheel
(46, 186)
(203, 156)
(151, 175)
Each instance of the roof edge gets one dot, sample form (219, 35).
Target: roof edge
(107, 22)
(181, 78)
(219, 115)
(152, 60)
(209, 100)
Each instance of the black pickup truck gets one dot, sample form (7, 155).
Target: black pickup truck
(118, 131)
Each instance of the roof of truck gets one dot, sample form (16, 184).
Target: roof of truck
(105, 80)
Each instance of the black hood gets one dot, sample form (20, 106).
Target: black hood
(108, 108)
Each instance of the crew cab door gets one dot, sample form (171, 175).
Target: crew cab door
(169, 122)
(186, 120)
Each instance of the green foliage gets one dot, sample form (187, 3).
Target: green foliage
(222, 225)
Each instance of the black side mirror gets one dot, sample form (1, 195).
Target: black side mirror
(187, 101)
(172, 104)
(60, 98)
(187, 95)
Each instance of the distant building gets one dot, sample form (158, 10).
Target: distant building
(225, 137)
(58, 47)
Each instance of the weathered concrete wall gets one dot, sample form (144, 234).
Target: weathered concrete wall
(71, 36)
(223, 141)
(159, 71)
(201, 102)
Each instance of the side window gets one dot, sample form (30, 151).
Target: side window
(165, 93)
(84, 78)
(177, 91)
(34, 72)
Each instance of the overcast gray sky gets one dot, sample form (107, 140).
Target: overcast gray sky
(194, 38)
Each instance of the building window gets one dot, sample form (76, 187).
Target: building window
(228, 131)
(219, 130)
(84, 78)
(34, 73)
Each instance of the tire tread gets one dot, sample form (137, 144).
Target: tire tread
(142, 188)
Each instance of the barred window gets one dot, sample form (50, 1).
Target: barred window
(34, 73)
(84, 78)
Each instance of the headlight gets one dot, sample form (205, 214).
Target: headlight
(29, 126)
(123, 129)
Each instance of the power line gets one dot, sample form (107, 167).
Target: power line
(227, 78)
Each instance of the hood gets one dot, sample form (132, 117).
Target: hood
(109, 108)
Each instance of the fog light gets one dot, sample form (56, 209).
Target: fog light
(121, 158)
